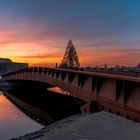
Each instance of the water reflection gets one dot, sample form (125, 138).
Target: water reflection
(14, 123)
(58, 90)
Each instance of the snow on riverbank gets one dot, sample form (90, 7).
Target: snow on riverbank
(97, 126)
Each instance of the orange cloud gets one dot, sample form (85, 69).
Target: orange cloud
(42, 59)
(44, 48)
(111, 57)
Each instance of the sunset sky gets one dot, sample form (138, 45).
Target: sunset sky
(103, 31)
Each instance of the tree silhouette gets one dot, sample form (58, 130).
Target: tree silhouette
(70, 59)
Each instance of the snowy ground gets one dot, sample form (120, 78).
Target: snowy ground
(97, 126)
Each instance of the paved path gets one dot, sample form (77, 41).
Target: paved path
(98, 126)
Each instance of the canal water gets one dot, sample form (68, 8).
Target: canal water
(13, 122)
(55, 101)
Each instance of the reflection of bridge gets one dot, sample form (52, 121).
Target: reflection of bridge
(119, 94)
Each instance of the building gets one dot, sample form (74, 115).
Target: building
(6, 66)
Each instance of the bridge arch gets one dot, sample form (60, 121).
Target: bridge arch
(119, 91)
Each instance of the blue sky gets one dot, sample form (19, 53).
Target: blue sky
(103, 31)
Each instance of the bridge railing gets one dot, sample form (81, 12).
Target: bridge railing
(59, 70)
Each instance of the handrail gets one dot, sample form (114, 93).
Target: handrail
(102, 73)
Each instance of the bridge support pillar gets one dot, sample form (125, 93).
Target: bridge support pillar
(85, 108)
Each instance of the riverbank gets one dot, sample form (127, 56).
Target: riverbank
(97, 126)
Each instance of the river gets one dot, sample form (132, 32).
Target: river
(54, 102)
(13, 122)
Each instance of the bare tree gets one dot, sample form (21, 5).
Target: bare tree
(70, 59)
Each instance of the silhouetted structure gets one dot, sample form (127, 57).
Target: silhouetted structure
(6, 65)
(70, 59)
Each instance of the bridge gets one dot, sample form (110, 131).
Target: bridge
(118, 93)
